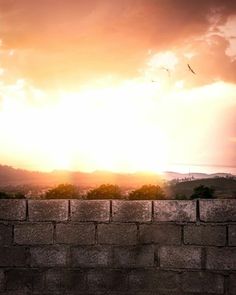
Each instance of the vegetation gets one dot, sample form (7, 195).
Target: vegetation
(147, 192)
(203, 192)
(224, 187)
(105, 191)
(5, 195)
(181, 197)
(64, 191)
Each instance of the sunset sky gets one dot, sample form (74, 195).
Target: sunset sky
(84, 85)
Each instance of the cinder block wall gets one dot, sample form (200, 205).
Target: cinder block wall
(117, 247)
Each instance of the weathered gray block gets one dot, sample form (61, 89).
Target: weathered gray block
(2, 280)
(134, 256)
(180, 257)
(80, 234)
(24, 280)
(131, 211)
(117, 234)
(12, 209)
(64, 280)
(232, 284)
(107, 280)
(5, 235)
(205, 235)
(13, 256)
(50, 256)
(90, 210)
(150, 280)
(48, 210)
(221, 258)
(173, 210)
(33, 233)
(218, 210)
(91, 256)
(232, 235)
(17, 292)
(201, 282)
(164, 234)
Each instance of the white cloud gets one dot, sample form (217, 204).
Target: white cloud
(166, 59)
(228, 31)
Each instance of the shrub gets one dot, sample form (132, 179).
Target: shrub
(63, 191)
(147, 192)
(202, 192)
(105, 191)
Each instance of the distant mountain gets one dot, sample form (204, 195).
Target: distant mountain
(169, 175)
(12, 176)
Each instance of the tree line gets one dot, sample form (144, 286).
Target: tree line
(110, 191)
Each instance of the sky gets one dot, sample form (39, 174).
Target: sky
(105, 85)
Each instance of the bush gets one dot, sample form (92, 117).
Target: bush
(63, 191)
(147, 192)
(181, 197)
(105, 191)
(203, 192)
(18, 195)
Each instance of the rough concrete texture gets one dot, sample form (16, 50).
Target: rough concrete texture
(218, 210)
(173, 210)
(73, 247)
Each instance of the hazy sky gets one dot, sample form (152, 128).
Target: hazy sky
(84, 85)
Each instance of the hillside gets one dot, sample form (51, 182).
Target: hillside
(15, 177)
(225, 187)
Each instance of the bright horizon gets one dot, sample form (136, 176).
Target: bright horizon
(105, 85)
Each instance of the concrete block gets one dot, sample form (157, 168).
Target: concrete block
(117, 234)
(200, 282)
(134, 256)
(33, 233)
(91, 256)
(217, 210)
(150, 280)
(13, 256)
(180, 257)
(107, 280)
(2, 280)
(205, 235)
(12, 209)
(64, 280)
(24, 280)
(5, 235)
(232, 284)
(163, 234)
(48, 210)
(131, 211)
(50, 256)
(79, 234)
(175, 210)
(90, 210)
(232, 235)
(221, 258)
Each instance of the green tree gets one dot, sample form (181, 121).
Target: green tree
(147, 192)
(63, 191)
(203, 192)
(19, 195)
(179, 196)
(4, 195)
(105, 191)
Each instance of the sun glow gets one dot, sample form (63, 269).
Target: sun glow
(122, 126)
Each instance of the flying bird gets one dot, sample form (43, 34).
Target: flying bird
(167, 70)
(191, 70)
